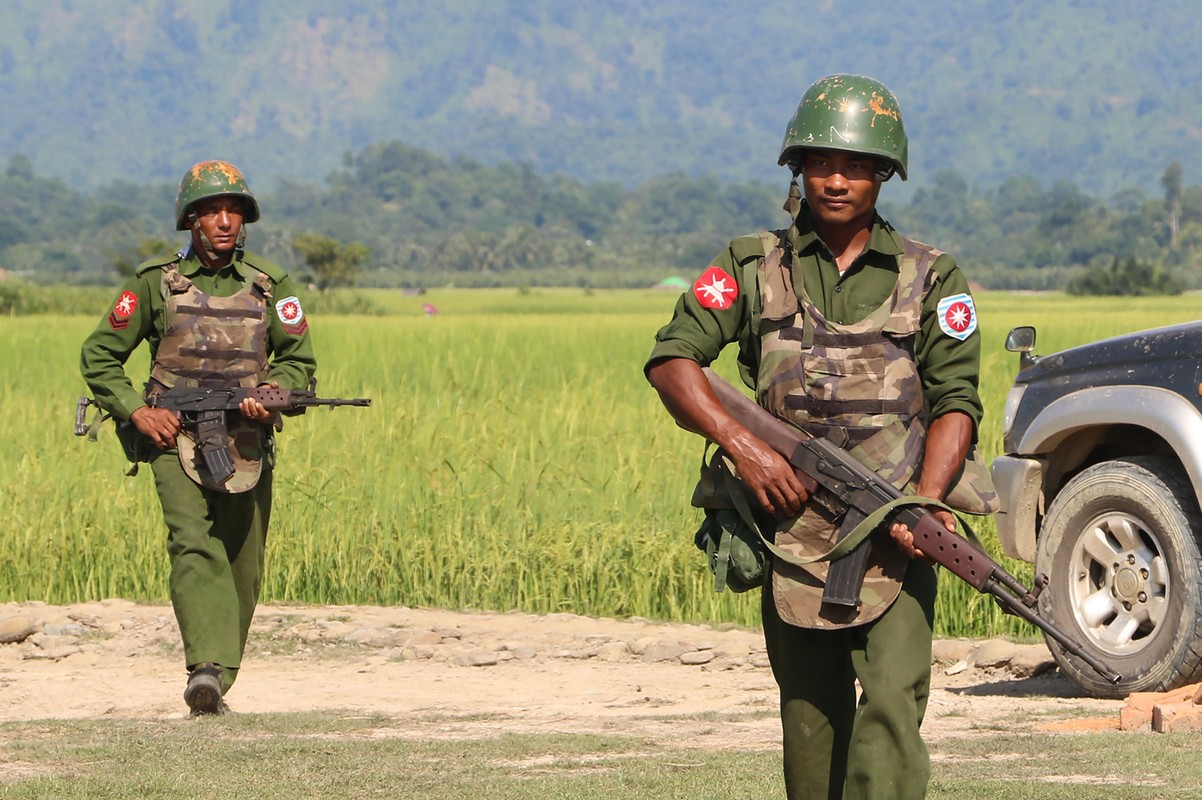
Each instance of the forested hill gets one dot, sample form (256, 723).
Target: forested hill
(1100, 93)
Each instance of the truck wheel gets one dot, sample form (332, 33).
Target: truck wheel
(1119, 546)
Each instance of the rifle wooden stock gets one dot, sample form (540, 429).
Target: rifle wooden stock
(857, 487)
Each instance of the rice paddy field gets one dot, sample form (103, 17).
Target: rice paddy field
(513, 458)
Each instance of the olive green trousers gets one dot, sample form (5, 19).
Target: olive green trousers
(835, 746)
(216, 544)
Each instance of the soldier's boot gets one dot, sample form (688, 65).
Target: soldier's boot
(203, 692)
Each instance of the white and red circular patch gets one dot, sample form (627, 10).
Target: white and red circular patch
(289, 311)
(292, 316)
(716, 289)
(958, 316)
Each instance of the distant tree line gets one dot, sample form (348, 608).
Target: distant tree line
(395, 216)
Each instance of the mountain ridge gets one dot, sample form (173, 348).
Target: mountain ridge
(1098, 93)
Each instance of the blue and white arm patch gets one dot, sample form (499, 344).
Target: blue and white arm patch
(958, 316)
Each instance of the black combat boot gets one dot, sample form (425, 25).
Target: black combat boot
(203, 693)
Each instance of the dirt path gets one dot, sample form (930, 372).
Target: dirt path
(443, 673)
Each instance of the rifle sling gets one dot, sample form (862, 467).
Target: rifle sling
(854, 537)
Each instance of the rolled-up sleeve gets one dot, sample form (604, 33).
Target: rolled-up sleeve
(707, 317)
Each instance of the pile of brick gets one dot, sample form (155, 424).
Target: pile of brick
(1164, 712)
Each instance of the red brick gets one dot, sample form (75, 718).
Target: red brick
(1176, 717)
(1139, 710)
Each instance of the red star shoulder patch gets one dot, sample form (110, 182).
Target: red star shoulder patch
(123, 309)
(716, 289)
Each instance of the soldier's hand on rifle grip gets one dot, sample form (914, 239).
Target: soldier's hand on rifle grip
(252, 409)
(768, 476)
(158, 424)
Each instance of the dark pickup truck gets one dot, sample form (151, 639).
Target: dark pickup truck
(1099, 488)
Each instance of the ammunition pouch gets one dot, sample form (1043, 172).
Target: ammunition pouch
(734, 553)
(972, 490)
(134, 443)
(734, 548)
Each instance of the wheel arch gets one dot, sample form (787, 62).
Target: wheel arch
(1100, 423)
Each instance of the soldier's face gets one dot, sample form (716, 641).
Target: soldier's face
(220, 221)
(841, 188)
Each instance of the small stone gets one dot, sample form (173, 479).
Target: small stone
(993, 653)
(957, 668)
(53, 654)
(475, 658)
(375, 637)
(640, 645)
(664, 651)
(423, 638)
(581, 654)
(950, 651)
(16, 629)
(522, 652)
(1032, 659)
(613, 651)
(732, 649)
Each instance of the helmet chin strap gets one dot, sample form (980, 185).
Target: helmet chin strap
(207, 245)
(792, 204)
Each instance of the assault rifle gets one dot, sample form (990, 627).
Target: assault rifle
(847, 486)
(203, 412)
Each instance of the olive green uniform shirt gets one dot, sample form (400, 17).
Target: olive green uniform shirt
(950, 368)
(105, 351)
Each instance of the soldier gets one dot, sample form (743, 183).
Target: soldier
(212, 315)
(850, 331)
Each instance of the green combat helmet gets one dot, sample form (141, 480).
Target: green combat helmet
(847, 112)
(212, 179)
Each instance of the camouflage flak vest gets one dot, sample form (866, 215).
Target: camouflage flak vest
(214, 342)
(859, 386)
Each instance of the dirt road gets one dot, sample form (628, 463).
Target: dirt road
(444, 673)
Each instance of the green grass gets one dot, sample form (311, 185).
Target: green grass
(513, 458)
(311, 756)
(316, 756)
(1117, 766)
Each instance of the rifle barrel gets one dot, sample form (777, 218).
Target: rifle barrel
(353, 401)
(1019, 608)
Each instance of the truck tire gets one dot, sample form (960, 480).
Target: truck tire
(1119, 546)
